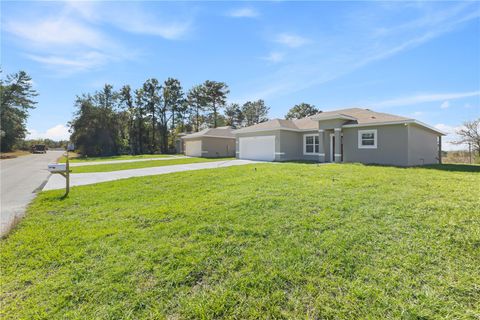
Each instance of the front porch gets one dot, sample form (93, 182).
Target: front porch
(330, 145)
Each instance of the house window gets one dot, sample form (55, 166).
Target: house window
(310, 144)
(367, 139)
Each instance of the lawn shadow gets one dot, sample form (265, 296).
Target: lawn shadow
(459, 167)
(453, 167)
(445, 167)
(301, 161)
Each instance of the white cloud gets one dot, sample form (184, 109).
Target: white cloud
(69, 37)
(447, 141)
(446, 128)
(428, 97)
(359, 44)
(445, 105)
(171, 31)
(81, 62)
(58, 132)
(291, 40)
(243, 13)
(274, 57)
(130, 17)
(56, 31)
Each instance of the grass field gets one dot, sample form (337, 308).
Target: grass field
(141, 164)
(77, 158)
(277, 241)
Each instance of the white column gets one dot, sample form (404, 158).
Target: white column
(338, 145)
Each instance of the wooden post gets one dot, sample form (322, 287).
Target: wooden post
(470, 152)
(67, 178)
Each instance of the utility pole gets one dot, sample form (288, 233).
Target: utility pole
(470, 152)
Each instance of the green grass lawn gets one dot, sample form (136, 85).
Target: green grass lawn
(142, 164)
(122, 157)
(282, 241)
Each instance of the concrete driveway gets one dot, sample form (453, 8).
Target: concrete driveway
(19, 180)
(79, 179)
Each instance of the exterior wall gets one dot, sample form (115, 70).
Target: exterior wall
(179, 145)
(291, 147)
(288, 144)
(422, 146)
(218, 147)
(275, 133)
(331, 124)
(398, 145)
(392, 146)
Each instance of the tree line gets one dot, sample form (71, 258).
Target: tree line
(148, 119)
(16, 99)
(49, 143)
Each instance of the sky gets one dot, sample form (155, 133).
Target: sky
(415, 59)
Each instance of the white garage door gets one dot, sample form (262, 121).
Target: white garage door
(193, 148)
(257, 148)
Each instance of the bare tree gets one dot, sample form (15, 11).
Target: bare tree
(470, 134)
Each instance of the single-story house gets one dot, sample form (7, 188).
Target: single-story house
(346, 135)
(179, 144)
(210, 143)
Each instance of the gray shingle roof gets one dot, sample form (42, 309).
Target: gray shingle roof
(352, 116)
(220, 132)
(361, 116)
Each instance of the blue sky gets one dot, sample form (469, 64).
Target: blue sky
(417, 59)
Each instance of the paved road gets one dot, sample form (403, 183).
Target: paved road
(80, 179)
(19, 179)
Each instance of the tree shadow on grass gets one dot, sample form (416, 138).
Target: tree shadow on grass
(454, 167)
(445, 167)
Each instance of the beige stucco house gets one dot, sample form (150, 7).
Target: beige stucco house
(210, 143)
(346, 135)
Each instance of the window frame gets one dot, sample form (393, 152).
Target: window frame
(360, 140)
(315, 136)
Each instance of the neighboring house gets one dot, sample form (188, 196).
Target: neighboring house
(179, 142)
(346, 135)
(210, 143)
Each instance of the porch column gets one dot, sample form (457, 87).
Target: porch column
(321, 146)
(338, 145)
(440, 149)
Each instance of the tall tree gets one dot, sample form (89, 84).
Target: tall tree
(140, 120)
(128, 107)
(234, 115)
(302, 110)
(85, 126)
(172, 101)
(197, 103)
(255, 112)
(96, 123)
(106, 101)
(16, 99)
(152, 100)
(470, 134)
(215, 94)
(182, 111)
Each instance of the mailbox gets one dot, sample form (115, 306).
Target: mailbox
(57, 167)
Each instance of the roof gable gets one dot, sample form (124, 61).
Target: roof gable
(352, 117)
(220, 132)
